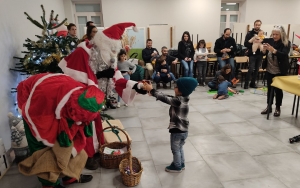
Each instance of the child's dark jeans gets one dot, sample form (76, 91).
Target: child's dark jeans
(177, 141)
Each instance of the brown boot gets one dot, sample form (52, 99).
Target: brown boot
(277, 112)
(91, 164)
(265, 111)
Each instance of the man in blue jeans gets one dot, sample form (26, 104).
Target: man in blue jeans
(169, 59)
(225, 48)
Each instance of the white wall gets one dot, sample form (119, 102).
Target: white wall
(272, 11)
(15, 28)
(196, 16)
(69, 11)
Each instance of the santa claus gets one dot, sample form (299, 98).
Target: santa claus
(94, 63)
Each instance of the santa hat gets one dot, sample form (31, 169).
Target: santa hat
(117, 30)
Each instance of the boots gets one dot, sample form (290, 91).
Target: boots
(253, 85)
(83, 179)
(277, 112)
(265, 111)
(91, 164)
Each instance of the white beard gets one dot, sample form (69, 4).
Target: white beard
(104, 52)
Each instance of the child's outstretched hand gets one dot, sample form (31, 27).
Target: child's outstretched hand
(147, 87)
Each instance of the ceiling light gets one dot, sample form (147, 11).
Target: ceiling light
(227, 9)
(230, 3)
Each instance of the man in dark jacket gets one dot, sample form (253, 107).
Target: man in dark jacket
(147, 54)
(225, 48)
(254, 59)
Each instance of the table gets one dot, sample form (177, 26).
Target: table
(289, 84)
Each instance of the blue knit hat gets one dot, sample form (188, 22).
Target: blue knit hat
(186, 85)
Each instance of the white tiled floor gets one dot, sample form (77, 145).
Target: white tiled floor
(229, 145)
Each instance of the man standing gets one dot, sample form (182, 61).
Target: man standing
(148, 54)
(225, 47)
(254, 59)
(72, 30)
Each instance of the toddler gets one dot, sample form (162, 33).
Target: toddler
(257, 41)
(223, 88)
(162, 73)
(179, 123)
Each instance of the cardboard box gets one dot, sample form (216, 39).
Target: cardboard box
(109, 136)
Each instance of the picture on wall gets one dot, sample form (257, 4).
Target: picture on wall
(135, 40)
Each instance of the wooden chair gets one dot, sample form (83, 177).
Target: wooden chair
(242, 62)
(208, 46)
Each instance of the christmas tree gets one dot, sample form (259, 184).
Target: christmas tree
(44, 54)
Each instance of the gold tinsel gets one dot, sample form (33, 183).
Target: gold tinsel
(51, 58)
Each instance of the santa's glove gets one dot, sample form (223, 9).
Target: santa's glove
(139, 88)
(108, 73)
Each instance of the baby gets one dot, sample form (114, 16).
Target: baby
(223, 89)
(257, 41)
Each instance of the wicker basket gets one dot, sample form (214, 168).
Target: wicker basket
(134, 178)
(113, 161)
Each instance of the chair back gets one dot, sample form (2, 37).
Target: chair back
(242, 62)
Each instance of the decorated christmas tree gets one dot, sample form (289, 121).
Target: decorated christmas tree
(44, 54)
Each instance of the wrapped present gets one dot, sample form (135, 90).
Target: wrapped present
(114, 135)
(260, 91)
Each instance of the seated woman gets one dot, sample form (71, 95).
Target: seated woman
(162, 73)
(225, 72)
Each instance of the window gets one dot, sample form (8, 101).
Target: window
(229, 15)
(87, 12)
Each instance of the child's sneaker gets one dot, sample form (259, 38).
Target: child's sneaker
(119, 105)
(125, 104)
(173, 168)
(182, 165)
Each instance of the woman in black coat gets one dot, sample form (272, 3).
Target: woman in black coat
(277, 64)
(186, 53)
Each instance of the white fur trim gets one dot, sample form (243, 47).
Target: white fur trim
(38, 136)
(63, 101)
(140, 86)
(118, 75)
(75, 74)
(128, 93)
(135, 29)
(83, 45)
(74, 152)
(95, 138)
(78, 123)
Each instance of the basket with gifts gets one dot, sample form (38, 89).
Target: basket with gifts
(131, 171)
(112, 153)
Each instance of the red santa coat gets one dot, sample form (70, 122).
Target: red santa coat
(42, 99)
